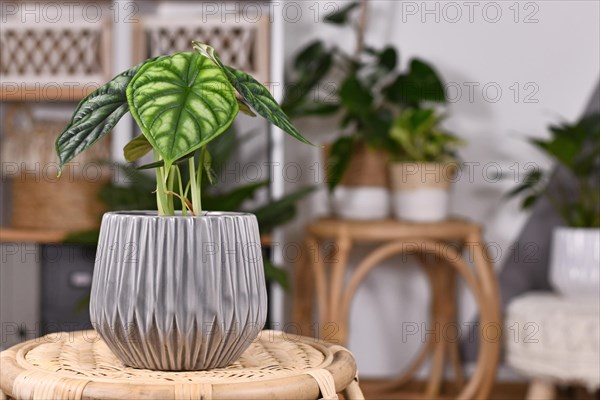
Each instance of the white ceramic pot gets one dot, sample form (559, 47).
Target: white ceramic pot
(421, 191)
(361, 202)
(363, 191)
(575, 262)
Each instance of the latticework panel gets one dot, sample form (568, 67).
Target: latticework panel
(69, 55)
(244, 45)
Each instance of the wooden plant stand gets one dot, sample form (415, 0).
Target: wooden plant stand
(440, 249)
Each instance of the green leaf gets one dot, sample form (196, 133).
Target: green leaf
(307, 56)
(83, 304)
(340, 17)
(137, 148)
(339, 159)
(420, 84)
(355, 96)
(388, 58)
(311, 65)
(86, 238)
(181, 102)
(245, 108)
(254, 94)
(529, 201)
(232, 200)
(563, 148)
(207, 165)
(161, 163)
(280, 211)
(95, 116)
(275, 274)
(320, 109)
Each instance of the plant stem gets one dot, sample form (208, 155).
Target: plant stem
(360, 30)
(161, 192)
(199, 177)
(182, 194)
(170, 187)
(194, 187)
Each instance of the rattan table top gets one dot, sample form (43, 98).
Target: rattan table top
(79, 365)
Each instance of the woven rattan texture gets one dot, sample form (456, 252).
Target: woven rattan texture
(78, 355)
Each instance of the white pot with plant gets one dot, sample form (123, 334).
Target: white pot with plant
(369, 89)
(575, 253)
(422, 166)
(364, 180)
(176, 289)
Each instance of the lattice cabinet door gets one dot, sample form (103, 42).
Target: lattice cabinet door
(243, 43)
(53, 61)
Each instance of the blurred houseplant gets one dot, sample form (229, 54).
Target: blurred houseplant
(422, 165)
(368, 91)
(575, 259)
(188, 285)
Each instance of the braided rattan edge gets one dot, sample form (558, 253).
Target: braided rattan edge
(339, 362)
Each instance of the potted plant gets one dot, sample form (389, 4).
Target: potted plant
(422, 165)
(185, 289)
(365, 89)
(575, 257)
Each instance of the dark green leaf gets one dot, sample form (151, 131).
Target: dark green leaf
(275, 274)
(207, 165)
(299, 92)
(420, 84)
(532, 179)
(355, 96)
(388, 58)
(339, 159)
(340, 17)
(245, 108)
(82, 305)
(95, 116)
(161, 163)
(280, 211)
(563, 148)
(306, 57)
(83, 238)
(181, 102)
(137, 148)
(232, 200)
(320, 109)
(529, 201)
(254, 94)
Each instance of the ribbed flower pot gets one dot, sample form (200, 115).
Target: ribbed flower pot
(178, 293)
(575, 262)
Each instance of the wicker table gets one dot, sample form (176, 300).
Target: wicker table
(444, 249)
(79, 365)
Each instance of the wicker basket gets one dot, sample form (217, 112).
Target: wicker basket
(367, 167)
(40, 200)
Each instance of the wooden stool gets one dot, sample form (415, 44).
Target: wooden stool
(445, 241)
(79, 365)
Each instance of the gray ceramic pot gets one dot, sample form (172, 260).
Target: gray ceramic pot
(178, 293)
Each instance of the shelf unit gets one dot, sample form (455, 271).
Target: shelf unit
(123, 47)
(11, 235)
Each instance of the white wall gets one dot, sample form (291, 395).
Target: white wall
(557, 56)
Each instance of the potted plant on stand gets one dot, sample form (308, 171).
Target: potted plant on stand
(575, 254)
(176, 289)
(365, 90)
(422, 166)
